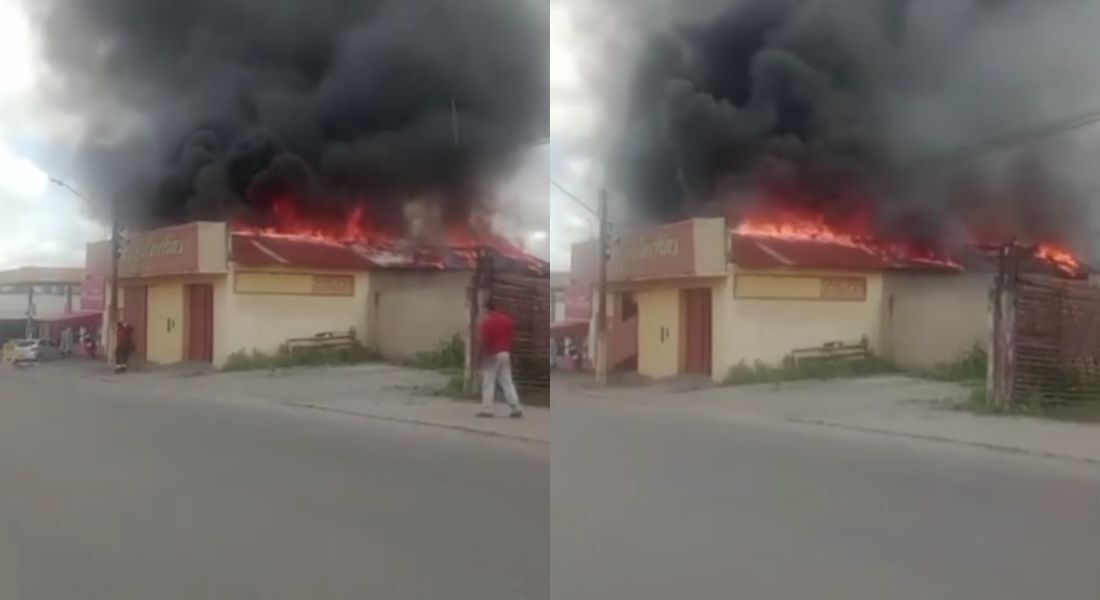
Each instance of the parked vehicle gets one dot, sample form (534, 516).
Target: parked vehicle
(29, 351)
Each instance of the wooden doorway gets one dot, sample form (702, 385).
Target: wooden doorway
(199, 341)
(698, 321)
(135, 312)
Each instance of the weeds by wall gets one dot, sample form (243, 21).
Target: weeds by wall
(245, 360)
(760, 372)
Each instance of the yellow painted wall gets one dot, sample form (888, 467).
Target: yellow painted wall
(722, 347)
(225, 339)
(711, 246)
(213, 247)
(659, 311)
(165, 322)
(265, 321)
(294, 284)
(767, 330)
(414, 311)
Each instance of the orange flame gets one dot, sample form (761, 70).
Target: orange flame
(1060, 257)
(796, 229)
(814, 229)
(358, 229)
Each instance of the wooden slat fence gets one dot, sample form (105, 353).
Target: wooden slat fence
(1055, 341)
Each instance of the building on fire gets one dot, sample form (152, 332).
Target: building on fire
(200, 292)
(696, 297)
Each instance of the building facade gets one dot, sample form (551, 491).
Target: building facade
(197, 292)
(694, 298)
(39, 302)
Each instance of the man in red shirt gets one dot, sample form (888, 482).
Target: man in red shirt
(123, 347)
(498, 330)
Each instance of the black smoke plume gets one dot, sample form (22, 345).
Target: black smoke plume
(211, 109)
(833, 105)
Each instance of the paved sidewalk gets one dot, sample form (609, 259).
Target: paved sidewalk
(891, 405)
(377, 391)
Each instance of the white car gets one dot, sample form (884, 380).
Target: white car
(25, 351)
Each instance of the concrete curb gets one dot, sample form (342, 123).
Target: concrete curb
(422, 422)
(948, 440)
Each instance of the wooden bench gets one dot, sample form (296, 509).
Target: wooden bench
(832, 351)
(324, 340)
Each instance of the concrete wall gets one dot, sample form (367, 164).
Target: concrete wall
(724, 349)
(659, 331)
(265, 320)
(165, 322)
(711, 237)
(213, 247)
(767, 330)
(14, 306)
(931, 319)
(413, 311)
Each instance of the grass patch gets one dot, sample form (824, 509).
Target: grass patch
(979, 402)
(969, 366)
(761, 372)
(245, 360)
(446, 356)
(455, 388)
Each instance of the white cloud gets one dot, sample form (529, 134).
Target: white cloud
(564, 66)
(572, 116)
(570, 111)
(17, 58)
(20, 178)
(42, 224)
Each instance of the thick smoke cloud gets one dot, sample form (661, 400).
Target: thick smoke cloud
(205, 109)
(828, 105)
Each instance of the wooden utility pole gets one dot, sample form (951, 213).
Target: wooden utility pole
(473, 344)
(112, 309)
(1002, 359)
(601, 306)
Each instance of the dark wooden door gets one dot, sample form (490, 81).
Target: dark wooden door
(135, 312)
(199, 342)
(697, 331)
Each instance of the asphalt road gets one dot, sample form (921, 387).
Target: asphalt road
(650, 505)
(109, 495)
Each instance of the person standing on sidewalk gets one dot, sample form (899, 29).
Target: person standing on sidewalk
(498, 331)
(123, 346)
(67, 342)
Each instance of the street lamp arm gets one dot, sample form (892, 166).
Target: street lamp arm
(61, 183)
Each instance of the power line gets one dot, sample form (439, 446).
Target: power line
(613, 222)
(993, 144)
(574, 198)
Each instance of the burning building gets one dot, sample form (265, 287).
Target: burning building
(700, 297)
(831, 171)
(202, 291)
(300, 166)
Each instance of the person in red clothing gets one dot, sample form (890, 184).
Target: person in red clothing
(124, 344)
(498, 330)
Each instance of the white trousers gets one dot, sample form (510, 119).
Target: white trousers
(497, 369)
